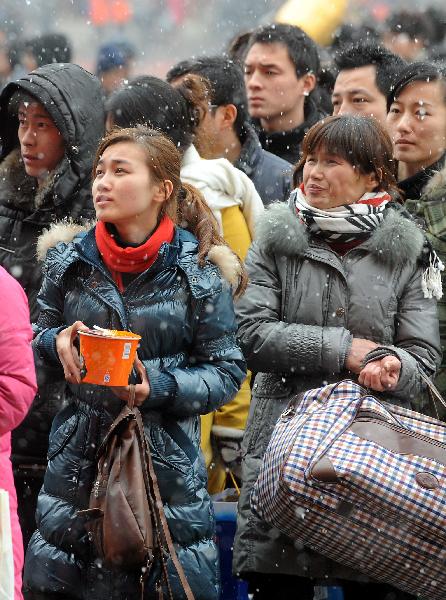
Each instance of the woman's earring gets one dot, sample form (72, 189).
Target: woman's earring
(306, 93)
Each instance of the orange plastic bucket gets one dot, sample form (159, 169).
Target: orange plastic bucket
(107, 356)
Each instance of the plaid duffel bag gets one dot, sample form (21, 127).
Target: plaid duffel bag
(362, 482)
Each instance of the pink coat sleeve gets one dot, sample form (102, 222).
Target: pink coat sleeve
(17, 373)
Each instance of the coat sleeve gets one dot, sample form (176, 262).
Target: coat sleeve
(50, 322)
(17, 373)
(216, 365)
(417, 338)
(273, 345)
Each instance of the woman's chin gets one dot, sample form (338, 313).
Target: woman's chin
(105, 216)
(318, 202)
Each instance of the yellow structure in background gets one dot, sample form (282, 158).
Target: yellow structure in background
(318, 18)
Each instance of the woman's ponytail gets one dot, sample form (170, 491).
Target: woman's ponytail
(196, 91)
(195, 215)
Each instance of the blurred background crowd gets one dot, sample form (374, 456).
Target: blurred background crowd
(118, 39)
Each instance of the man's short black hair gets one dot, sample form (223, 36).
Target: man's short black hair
(302, 50)
(388, 65)
(226, 78)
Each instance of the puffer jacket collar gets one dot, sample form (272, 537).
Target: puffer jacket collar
(181, 251)
(397, 241)
(251, 153)
(21, 189)
(15, 185)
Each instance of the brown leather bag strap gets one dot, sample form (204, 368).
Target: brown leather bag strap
(132, 394)
(124, 415)
(166, 532)
(160, 511)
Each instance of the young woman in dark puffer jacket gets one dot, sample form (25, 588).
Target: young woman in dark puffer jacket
(136, 270)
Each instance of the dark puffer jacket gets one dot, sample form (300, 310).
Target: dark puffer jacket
(185, 316)
(270, 174)
(286, 144)
(72, 97)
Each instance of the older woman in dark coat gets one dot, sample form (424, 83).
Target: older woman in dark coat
(338, 273)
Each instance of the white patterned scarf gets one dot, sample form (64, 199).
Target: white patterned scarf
(350, 222)
(345, 223)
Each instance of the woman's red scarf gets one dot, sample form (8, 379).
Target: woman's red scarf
(132, 260)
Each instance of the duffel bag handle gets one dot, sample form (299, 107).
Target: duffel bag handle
(383, 351)
(433, 390)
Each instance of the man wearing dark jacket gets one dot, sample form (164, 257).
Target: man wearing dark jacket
(281, 70)
(50, 123)
(225, 132)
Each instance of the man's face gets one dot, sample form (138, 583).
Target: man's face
(209, 133)
(41, 144)
(355, 92)
(273, 88)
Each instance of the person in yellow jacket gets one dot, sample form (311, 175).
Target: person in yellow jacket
(235, 203)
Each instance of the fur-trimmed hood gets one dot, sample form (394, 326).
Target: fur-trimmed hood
(396, 241)
(436, 187)
(65, 231)
(19, 188)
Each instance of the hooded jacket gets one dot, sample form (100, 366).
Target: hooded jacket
(186, 319)
(72, 97)
(296, 320)
(270, 174)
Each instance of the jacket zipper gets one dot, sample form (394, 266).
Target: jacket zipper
(7, 250)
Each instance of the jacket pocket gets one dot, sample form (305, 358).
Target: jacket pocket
(270, 396)
(64, 426)
(162, 447)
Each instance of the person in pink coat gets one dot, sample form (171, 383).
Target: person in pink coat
(17, 390)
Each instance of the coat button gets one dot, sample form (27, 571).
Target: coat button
(340, 312)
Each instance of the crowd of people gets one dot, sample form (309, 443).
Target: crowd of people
(268, 221)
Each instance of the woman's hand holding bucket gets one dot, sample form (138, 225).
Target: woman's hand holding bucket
(67, 351)
(142, 390)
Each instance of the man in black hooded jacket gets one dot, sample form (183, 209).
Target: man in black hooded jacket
(51, 121)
